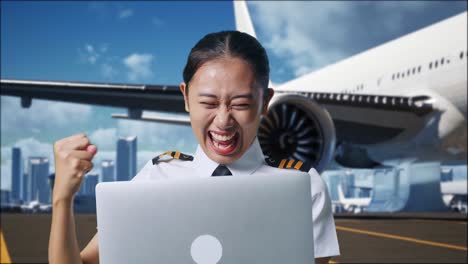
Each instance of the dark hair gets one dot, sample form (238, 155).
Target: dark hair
(229, 44)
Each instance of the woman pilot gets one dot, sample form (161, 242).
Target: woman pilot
(226, 92)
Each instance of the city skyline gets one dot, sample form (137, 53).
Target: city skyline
(33, 184)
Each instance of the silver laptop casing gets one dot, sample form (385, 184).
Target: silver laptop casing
(257, 219)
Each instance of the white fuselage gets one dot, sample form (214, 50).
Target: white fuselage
(403, 67)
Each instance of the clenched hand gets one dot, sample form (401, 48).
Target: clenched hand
(73, 157)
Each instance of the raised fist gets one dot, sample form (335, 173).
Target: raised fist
(73, 157)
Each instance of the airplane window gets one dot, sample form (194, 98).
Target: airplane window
(435, 64)
(430, 65)
(442, 61)
(408, 72)
(461, 55)
(402, 75)
(393, 76)
(419, 68)
(414, 70)
(398, 75)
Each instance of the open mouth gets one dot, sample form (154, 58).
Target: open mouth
(223, 143)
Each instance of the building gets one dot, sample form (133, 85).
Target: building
(89, 184)
(4, 197)
(85, 200)
(107, 171)
(24, 188)
(16, 175)
(348, 183)
(126, 158)
(333, 182)
(37, 186)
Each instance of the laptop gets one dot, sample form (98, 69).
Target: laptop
(240, 219)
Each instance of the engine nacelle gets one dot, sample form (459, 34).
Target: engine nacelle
(297, 127)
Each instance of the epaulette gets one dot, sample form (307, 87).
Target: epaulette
(173, 155)
(286, 164)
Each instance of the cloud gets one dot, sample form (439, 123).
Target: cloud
(125, 13)
(58, 114)
(106, 137)
(108, 71)
(89, 54)
(104, 47)
(97, 56)
(105, 10)
(139, 66)
(309, 35)
(301, 42)
(152, 135)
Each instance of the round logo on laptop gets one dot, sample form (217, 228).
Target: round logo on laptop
(206, 249)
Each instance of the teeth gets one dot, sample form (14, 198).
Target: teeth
(222, 146)
(221, 137)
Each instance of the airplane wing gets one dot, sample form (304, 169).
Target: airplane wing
(136, 98)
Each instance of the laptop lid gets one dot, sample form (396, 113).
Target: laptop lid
(241, 219)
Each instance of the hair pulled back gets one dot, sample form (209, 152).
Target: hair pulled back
(229, 44)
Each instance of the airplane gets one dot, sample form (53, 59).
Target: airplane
(454, 194)
(402, 101)
(355, 205)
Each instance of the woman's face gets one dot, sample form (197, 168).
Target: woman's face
(225, 108)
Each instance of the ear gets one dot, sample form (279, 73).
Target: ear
(266, 101)
(184, 91)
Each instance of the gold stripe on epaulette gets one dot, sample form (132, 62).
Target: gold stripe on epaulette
(298, 165)
(287, 164)
(174, 155)
(283, 161)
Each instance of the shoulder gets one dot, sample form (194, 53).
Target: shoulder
(286, 164)
(165, 165)
(291, 165)
(171, 156)
(282, 167)
(317, 184)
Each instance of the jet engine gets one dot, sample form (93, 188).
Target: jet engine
(296, 127)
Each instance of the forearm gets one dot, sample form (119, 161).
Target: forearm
(63, 245)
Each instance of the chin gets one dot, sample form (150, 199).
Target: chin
(224, 159)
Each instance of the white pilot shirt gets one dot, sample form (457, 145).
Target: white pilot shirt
(253, 161)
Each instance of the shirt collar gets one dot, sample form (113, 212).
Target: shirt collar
(247, 164)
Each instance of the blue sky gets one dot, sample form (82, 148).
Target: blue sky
(148, 42)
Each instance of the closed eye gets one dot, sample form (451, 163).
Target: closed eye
(241, 106)
(209, 104)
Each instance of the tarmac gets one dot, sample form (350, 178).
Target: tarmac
(363, 238)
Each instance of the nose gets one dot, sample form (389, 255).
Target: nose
(223, 119)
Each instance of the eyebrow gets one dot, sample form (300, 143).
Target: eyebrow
(247, 95)
(207, 95)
